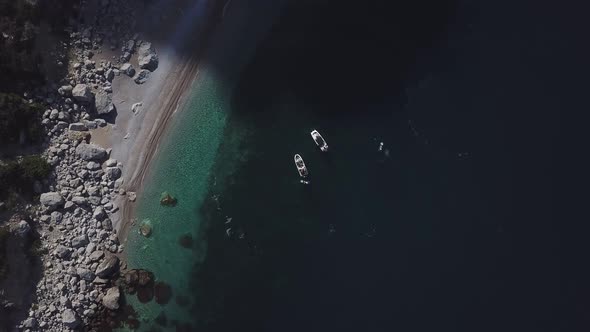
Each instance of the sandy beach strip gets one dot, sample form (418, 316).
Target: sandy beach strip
(135, 137)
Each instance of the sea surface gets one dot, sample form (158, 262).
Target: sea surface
(450, 226)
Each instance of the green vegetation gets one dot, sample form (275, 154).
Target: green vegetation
(17, 117)
(18, 176)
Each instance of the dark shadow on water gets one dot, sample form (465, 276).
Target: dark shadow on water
(321, 65)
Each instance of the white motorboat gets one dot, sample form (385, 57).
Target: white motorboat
(300, 166)
(319, 140)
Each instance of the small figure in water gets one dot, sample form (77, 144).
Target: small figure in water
(380, 147)
(304, 181)
(332, 229)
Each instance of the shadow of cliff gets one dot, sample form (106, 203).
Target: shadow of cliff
(24, 271)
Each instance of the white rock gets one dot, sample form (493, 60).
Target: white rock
(82, 93)
(51, 200)
(70, 319)
(104, 103)
(111, 162)
(111, 299)
(90, 151)
(146, 57)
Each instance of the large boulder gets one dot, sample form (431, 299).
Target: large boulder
(90, 152)
(70, 319)
(146, 57)
(82, 93)
(65, 90)
(80, 241)
(111, 298)
(78, 126)
(107, 267)
(51, 200)
(103, 102)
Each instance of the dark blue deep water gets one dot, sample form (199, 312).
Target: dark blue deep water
(453, 227)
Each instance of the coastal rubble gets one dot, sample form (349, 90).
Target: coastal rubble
(74, 218)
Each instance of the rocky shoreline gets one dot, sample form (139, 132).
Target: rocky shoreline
(73, 221)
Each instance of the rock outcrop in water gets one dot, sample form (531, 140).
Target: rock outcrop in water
(167, 200)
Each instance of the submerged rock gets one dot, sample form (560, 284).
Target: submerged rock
(145, 230)
(162, 292)
(186, 241)
(161, 319)
(182, 300)
(167, 200)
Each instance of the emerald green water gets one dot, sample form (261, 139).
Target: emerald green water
(183, 164)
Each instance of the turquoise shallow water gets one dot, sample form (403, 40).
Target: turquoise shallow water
(183, 164)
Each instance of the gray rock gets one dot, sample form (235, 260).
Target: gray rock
(53, 115)
(78, 126)
(111, 163)
(126, 56)
(95, 256)
(70, 319)
(93, 191)
(22, 229)
(30, 323)
(56, 217)
(51, 200)
(93, 165)
(85, 274)
(128, 69)
(69, 206)
(82, 93)
(104, 103)
(146, 57)
(109, 75)
(142, 76)
(79, 200)
(99, 214)
(62, 252)
(65, 90)
(80, 241)
(90, 152)
(111, 298)
(130, 45)
(107, 267)
(100, 122)
(113, 173)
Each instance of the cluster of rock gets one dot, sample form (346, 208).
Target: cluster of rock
(77, 202)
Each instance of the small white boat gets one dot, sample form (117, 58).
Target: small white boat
(300, 166)
(319, 140)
